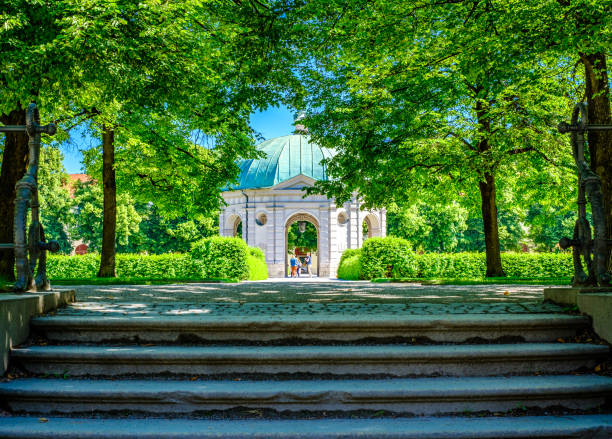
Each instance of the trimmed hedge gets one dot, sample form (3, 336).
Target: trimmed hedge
(391, 258)
(222, 257)
(474, 265)
(387, 257)
(451, 265)
(211, 258)
(540, 265)
(171, 265)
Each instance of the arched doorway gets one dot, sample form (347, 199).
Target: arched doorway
(370, 226)
(302, 236)
(234, 223)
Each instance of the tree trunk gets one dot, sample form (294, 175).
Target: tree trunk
(14, 164)
(600, 142)
(109, 222)
(487, 194)
(491, 229)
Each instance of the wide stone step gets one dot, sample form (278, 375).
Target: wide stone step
(261, 328)
(544, 427)
(397, 360)
(421, 396)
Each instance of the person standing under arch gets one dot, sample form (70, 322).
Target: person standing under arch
(293, 262)
(308, 263)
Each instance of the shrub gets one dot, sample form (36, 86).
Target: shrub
(350, 252)
(257, 267)
(387, 257)
(222, 257)
(349, 268)
(258, 253)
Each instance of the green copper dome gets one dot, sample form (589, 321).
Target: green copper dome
(285, 157)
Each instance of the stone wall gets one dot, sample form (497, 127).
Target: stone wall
(16, 310)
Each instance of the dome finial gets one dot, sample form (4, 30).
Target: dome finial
(299, 128)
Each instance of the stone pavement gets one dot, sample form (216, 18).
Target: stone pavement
(318, 297)
(311, 290)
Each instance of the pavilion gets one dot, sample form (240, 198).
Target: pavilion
(270, 197)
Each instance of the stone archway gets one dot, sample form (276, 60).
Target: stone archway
(232, 223)
(373, 225)
(308, 218)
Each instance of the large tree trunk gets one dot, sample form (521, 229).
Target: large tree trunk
(487, 195)
(14, 164)
(491, 229)
(600, 142)
(109, 224)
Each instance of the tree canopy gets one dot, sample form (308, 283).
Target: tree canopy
(444, 97)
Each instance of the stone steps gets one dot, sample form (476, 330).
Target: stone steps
(393, 360)
(132, 370)
(450, 328)
(537, 427)
(419, 396)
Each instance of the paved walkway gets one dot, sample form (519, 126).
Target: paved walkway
(321, 297)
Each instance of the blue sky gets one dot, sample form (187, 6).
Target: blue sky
(273, 122)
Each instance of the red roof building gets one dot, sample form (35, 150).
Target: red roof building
(75, 179)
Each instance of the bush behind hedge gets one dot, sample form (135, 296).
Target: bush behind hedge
(211, 258)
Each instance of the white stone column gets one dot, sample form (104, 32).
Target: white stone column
(272, 261)
(324, 241)
(334, 240)
(249, 219)
(279, 242)
(383, 222)
(353, 236)
(222, 225)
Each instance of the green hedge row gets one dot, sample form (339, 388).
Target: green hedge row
(392, 258)
(473, 265)
(211, 258)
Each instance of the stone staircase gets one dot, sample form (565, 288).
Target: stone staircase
(289, 371)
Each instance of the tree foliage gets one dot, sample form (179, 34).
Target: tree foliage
(148, 76)
(441, 96)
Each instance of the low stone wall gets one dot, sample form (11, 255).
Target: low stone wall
(16, 310)
(594, 302)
